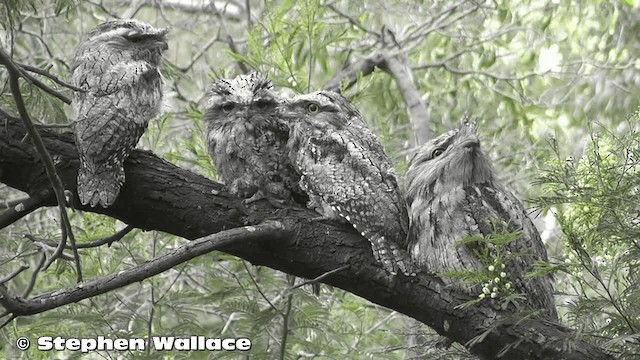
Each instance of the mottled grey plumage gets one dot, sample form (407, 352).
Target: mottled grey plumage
(346, 173)
(246, 139)
(117, 66)
(452, 193)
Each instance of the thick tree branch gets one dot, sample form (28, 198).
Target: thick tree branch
(158, 195)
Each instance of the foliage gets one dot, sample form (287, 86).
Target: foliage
(595, 200)
(492, 252)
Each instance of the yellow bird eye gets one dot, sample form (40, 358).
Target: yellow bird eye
(313, 108)
(227, 107)
(437, 152)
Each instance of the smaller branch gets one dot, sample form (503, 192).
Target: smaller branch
(107, 240)
(319, 278)
(133, 9)
(48, 247)
(56, 183)
(285, 320)
(198, 55)
(255, 283)
(10, 319)
(247, 6)
(19, 306)
(35, 81)
(229, 10)
(232, 44)
(398, 67)
(8, 116)
(438, 23)
(47, 74)
(490, 75)
(34, 276)
(354, 22)
(22, 209)
(350, 75)
(21, 268)
(42, 41)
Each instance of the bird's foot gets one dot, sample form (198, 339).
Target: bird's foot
(320, 218)
(277, 203)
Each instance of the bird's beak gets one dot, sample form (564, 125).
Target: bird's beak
(470, 142)
(468, 136)
(161, 36)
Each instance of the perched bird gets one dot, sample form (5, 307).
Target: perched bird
(453, 193)
(346, 173)
(117, 67)
(246, 140)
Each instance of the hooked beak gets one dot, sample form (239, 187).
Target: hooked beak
(161, 38)
(468, 136)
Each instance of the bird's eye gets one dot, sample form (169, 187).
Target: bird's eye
(135, 38)
(313, 108)
(262, 104)
(437, 152)
(227, 107)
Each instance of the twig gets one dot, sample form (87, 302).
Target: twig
(40, 39)
(255, 283)
(33, 80)
(21, 268)
(56, 183)
(198, 55)
(319, 278)
(49, 75)
(48, 247)
(247, 5)
(107, 240)
(285, 320)
(353, 21)
(7, 115)
(10, 319)
(232, 44)
(34, 276)
(91, 244)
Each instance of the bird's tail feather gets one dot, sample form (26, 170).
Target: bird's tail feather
(101, 186)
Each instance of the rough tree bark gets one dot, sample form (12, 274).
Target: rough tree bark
(161, 196)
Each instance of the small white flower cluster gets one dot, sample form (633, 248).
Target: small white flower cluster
(599, 261)
(495, 285)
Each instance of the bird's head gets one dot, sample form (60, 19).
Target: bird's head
(451, 160)
(244, 98)
(131, 39)
(320, 110)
